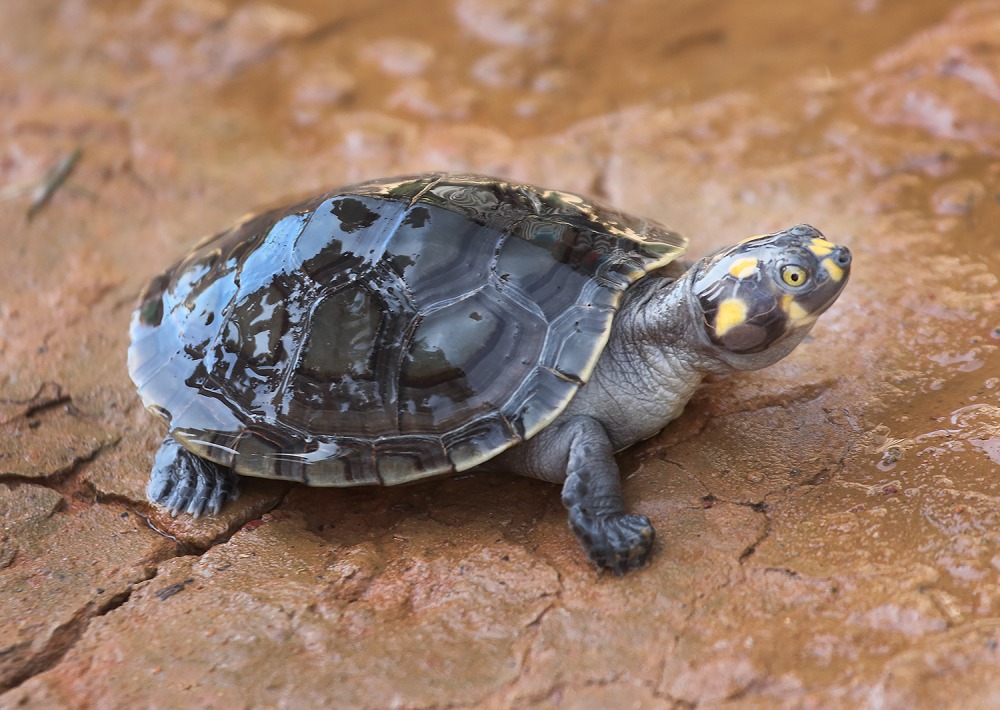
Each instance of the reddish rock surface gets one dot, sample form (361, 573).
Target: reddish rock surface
(828, 528)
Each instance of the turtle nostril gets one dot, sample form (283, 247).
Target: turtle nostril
(843, 256)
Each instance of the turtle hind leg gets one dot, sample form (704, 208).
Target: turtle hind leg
(185, 483)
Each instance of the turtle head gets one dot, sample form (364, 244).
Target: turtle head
(760, 297)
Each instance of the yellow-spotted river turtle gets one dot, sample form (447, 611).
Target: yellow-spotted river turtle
(414, 327)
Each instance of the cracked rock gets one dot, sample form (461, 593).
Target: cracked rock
(48, 443)
(70, 566)
(827, 528)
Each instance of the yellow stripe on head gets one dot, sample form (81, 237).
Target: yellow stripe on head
(732, 312)
(836, 273)
(796, 313)
(821, 247)
(742, 268)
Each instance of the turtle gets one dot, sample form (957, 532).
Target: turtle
(425, 325)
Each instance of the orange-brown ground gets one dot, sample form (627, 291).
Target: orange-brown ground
(828, 528)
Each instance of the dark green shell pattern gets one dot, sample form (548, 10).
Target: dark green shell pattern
(388, 331)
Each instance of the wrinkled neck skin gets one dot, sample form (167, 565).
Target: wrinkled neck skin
(656, 357)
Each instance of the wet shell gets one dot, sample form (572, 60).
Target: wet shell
(387, 331)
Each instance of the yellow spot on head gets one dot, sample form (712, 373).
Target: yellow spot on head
(750, 239)
(821, 247)
(836, 273)
(796, 313)
(743, 268)
(732, 312)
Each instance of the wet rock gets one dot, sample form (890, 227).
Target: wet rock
(393, 641)
(69, 566)
(509, 22)
(198, 533)
(827, 531)
(203, 41)
(611, 695)
(958, 197)
(48, 442)
(781, 460)
(422, 98)
(944, 81)
(123, 474)
(400, 56)
(27, 504)
(955, 669)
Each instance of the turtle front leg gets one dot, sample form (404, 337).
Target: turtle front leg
(184, 483)
(579, 453)
(592, 494)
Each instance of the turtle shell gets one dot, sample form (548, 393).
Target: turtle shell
(387, 331)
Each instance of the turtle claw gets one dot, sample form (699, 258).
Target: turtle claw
(616, 541)
(184, 483)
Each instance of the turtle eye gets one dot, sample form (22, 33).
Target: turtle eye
(794, 275)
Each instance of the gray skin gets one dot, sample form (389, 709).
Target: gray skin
(661, 347)
(729, 312)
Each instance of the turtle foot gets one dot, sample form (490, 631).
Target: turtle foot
(184, 483)
(616, 541)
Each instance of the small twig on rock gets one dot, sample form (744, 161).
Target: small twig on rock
(52, 181)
